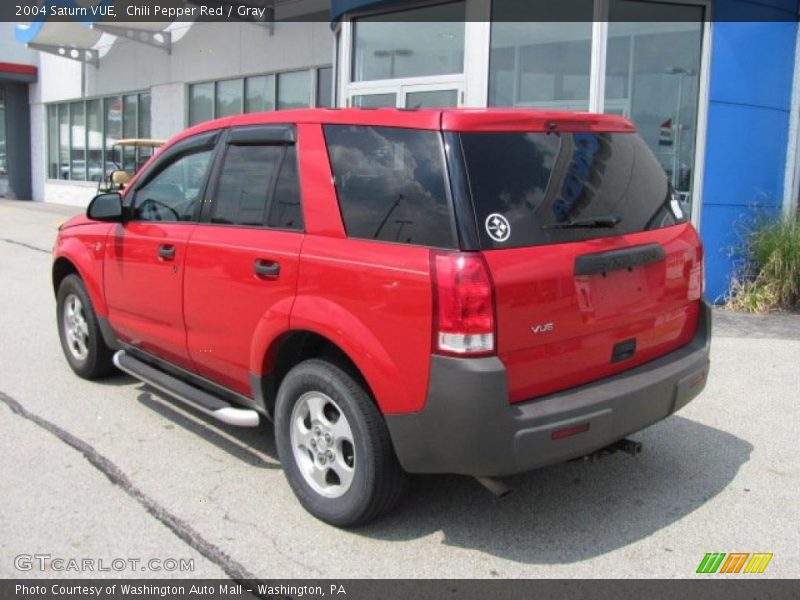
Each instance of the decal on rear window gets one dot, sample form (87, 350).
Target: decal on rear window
(497, 227)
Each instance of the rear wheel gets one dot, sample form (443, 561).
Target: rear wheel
(334, 446)
(79, 331)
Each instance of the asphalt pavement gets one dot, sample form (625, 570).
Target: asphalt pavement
(116, 471)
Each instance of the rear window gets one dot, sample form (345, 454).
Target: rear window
(534, 189)
(391, 184)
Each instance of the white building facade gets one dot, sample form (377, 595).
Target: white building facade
(716, 98)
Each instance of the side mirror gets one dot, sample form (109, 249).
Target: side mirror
(106, 207)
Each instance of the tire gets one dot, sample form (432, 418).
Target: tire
(318, 393)
(79, 331)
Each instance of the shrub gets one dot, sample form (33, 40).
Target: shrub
(769, 277)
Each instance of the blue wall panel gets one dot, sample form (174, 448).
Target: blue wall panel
(748, 122)
(754, 10)
(752, 63)
(745, 155)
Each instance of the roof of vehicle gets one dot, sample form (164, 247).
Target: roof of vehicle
(448, 119)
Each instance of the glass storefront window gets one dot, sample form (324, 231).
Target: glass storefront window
(144, 154)
(375, 101)
(130, 128)
(144, 116)
(94, 141)
(77, 142)
(432, 99)
(112, 117)
(536, 63)
(130, 117)
(229, 98)
(2, 131)
(259, 94)
(653, 76)
(325, 87)
(52, 142)
(201, 103)
(63, 141)
(411, 43)
(294, 90)
(81, 135)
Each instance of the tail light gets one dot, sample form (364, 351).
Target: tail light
(463, 305)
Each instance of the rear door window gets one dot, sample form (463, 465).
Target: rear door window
(546, 188)
(391, 184)
(245, 184)
(258, 186)
(285, 210)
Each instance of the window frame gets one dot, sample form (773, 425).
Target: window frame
(284, 134)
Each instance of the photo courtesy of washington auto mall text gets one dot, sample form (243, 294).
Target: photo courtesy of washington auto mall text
(131, 589)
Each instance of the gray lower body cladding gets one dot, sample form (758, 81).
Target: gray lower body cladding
(469, 427)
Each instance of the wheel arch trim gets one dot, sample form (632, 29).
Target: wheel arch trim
(71, 252)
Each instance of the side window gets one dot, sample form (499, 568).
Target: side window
(259, 186)
(286, 212)
(245, 184)
(391, 184)
(173, 194)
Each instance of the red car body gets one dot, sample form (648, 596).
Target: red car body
(204, 311)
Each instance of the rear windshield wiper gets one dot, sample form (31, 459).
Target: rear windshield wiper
(593, 223)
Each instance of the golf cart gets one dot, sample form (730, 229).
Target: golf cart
(128, 156)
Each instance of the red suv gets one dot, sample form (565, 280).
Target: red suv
(479, 292)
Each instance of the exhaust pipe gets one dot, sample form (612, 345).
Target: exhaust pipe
(495, 486)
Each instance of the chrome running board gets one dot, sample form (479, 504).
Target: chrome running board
(185, 392)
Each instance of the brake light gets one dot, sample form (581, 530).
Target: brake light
(463, 304)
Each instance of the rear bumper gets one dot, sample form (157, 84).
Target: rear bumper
(469, 427)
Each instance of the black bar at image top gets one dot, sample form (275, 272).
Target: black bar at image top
(121, 11)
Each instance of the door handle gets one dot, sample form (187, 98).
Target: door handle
(166, 251)
(267, 269)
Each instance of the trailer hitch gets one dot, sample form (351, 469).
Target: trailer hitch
(624, 445)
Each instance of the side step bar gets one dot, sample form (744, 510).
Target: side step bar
(186, 393)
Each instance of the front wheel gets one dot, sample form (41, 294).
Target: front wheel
(334, 446)
(79, 331)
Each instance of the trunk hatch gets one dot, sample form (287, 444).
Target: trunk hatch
(594, 265)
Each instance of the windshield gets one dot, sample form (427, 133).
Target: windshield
(547, 188)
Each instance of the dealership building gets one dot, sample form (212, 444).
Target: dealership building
(717, 98)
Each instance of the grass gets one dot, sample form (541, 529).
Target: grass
(769, 277)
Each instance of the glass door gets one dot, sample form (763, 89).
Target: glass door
(653, 77)
(411, 58)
